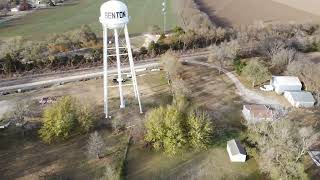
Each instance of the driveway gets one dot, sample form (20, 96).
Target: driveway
(247, 94)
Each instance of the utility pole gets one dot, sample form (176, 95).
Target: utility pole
(164, 12)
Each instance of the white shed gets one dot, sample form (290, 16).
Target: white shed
(300, 99)
(286, 83)
(236, 152)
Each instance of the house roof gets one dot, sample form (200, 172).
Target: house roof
(235, 147)
(286, 80)
(301, 96)
(259, 111)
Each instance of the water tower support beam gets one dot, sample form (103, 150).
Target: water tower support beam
(116, 41)
(133, 72)
(105, 69)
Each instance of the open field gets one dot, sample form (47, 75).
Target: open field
(311, 6)
(243, 12)
(40, 23)
(29, 158)
(216, 94)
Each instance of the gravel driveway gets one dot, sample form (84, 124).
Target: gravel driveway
(247, 94)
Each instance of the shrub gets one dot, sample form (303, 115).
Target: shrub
(64, 118)
(256, 72)
(96, 146)
(86, 116)
(239, 65)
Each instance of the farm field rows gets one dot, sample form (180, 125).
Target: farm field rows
(76, 13)
(244, 12)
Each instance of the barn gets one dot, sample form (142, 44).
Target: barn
(300, 99)
(236, 152)
(286, 83)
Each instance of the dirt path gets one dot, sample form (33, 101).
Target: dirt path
(247, 94)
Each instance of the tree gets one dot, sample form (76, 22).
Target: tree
(165, 130)
(283, 57)
(256, 72)
(225, 52)
(59, 120)
(309, 73)
(174, 130)
(281, 145)
(271, 46)
(200, 130)
(96, 146)
(86, 115)
(66, 117)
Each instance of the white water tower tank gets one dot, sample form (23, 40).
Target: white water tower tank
(114, 14)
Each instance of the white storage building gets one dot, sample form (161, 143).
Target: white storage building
(286, 83)
(236, 152)
(300, 99)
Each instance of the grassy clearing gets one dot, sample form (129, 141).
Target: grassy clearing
(28, 158)
(213, 164)
(41, 23)
(216, 93)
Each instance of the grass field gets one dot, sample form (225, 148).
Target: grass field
(41, 23)
(29, 158)
(215, 93)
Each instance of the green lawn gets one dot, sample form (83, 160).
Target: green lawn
(215, 163)
(41, 23)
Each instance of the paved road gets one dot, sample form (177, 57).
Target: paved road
(247, 94)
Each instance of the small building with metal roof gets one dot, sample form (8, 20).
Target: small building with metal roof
(300, 99)
(286, 83)
(236, 152)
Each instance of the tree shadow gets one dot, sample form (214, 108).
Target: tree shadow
(219, 21)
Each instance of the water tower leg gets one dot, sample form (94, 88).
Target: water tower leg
(105, 70)
(116, 39)
(134, 77)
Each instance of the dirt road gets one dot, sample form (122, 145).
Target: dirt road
(247, 94)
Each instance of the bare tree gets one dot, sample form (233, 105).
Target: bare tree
(281, 146)
(271, 46)
(221, 55)
(309, 73)
(96, 146)
(283, 57)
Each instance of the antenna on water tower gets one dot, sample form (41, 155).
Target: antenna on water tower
(114, 16)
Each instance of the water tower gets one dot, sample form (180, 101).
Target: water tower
(114, 17)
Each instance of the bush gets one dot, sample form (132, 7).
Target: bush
(239, 65)
(96, 146)
(62, 119)
(173, 131)
(256, 72)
